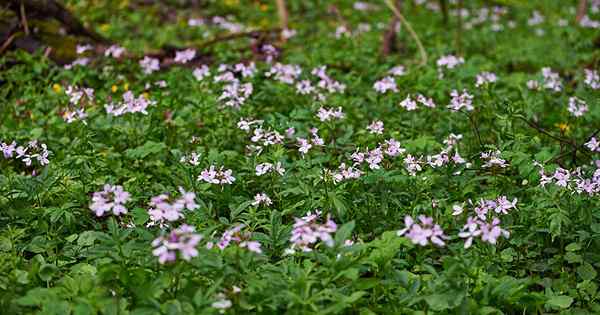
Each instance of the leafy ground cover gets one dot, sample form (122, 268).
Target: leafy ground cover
(330, 167)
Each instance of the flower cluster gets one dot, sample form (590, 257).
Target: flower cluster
(284, 73)
(409, 104)
(306, 144)
(424, 232)
(184, 56)
(130, 104)
(219, 176)
(575, 181)
(593, 144)
(241, 238)
(346, 172)
(110, 199)
(201, 72)
(264, 168)
(182, 239)
(262, 198)
(460, 101)
(592, 79)
(164, 208)
(326, 114)
(307, 231)
(114, 51)
(78, 99)
(28, 154)
(149, 65)
(551, 80)
(493, 159)
(488, 232)
(577, 107)
(386, 84)
(485, 78)
(485, 224)
(376, 127)
(449, 61)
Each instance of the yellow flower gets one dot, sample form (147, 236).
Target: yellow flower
(564, 127)
(114, 88)
(126, 86)
(105, 27)
(57, 88)
(145, 94)
(232, 3)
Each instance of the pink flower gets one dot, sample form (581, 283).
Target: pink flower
(111, 198)
(386, 84)
(221, 176)
(242, 238)
(408, 104)
(376, 127)
(592, 79)
(593, 145)
(184, 56)
(201, 73)
(577, 107)
(424, 232)
(114, 51)
(262, 198)
(460, 101)
(449, 61)
(8, 149)
(307, 232)
(485, 78)
(182, 240)
(149, 64)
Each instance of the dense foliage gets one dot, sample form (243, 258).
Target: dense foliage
(307, 175)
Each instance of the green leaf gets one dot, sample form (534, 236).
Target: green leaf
(586, 271)
(141, 152)
(573, 247)
(559, 301)
(344, 233)
(47, 271)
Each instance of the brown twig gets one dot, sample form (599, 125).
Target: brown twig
(283, 16)
(334, 9)
(581, 10)
(444, 8)
(7, 42)
(388, 46)
(412, 33)
(52, 8)
(24, 19)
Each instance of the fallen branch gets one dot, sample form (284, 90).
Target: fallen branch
(581, 10)
(283, 16)
(388, 46)
(53, 9)
(414, 35)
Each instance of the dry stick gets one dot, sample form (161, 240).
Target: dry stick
(24, 19)
(334, 9)
(581, 10)
(283, 16)
(7, 42)
(414, 35)
(389, 36)
(54, 9)
(444, 6)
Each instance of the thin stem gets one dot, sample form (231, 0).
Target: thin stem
(412, 33)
